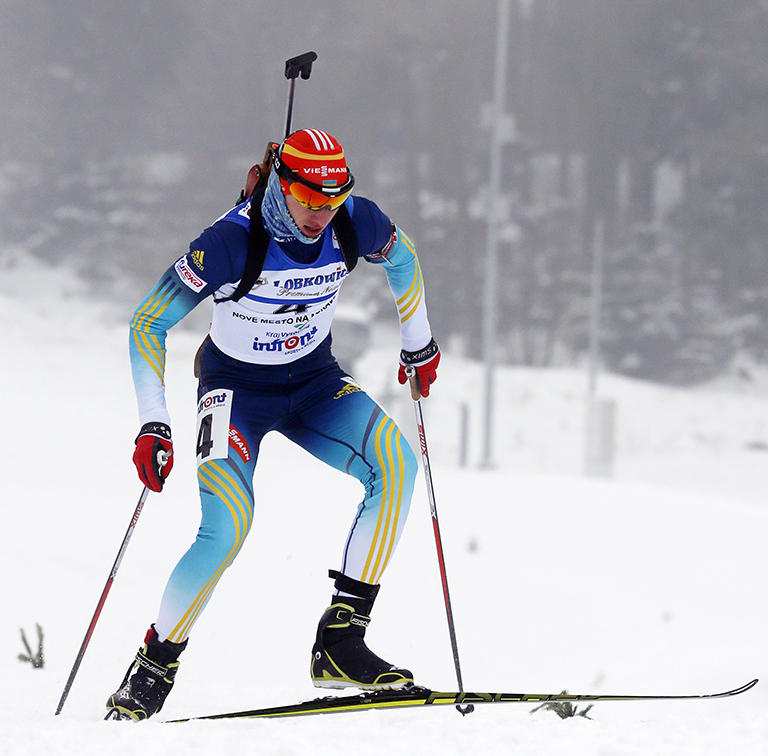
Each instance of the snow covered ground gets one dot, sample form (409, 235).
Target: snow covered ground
(649, 582)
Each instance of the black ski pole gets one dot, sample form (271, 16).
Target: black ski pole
(300, 65)
(416, 396)
(161, 458)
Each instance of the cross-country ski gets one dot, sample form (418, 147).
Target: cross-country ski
(416, 696)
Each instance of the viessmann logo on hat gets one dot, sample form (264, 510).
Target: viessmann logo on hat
(324, 170)
(313, 153)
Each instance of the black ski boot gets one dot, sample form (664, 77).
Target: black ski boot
(148, 680)
(340, 658)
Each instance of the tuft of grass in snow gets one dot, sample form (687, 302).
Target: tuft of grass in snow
(564, 709)
(37, 660)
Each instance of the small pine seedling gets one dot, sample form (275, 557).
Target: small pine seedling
(36, 660)
(565, 709)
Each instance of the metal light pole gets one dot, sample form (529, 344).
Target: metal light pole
(595, 306)
(493, 217)
(601, 413)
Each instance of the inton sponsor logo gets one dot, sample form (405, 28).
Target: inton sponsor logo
(278, 345)
(211, 400)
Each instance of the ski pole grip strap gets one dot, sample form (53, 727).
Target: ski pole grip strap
(161, 430)
(355, 587)
(420, 357)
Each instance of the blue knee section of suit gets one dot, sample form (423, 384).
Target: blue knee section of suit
(373, 479)
(227, 511)
(411, 470)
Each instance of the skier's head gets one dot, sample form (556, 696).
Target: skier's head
(312, 169)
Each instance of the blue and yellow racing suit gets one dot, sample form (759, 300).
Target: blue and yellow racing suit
(267, 365)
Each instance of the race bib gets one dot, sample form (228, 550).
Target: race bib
(213, 415)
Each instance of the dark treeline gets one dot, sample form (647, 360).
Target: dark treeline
(129, 127)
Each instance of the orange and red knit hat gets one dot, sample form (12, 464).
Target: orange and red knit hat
(315, 160)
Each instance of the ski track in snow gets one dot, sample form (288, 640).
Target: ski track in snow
(651, 582)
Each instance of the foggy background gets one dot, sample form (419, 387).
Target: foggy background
(129, 127)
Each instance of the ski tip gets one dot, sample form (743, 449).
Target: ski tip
(736, 691)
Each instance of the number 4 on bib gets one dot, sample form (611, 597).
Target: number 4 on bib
(213, 414)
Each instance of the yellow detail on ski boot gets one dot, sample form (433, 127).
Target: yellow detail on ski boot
(340, 658)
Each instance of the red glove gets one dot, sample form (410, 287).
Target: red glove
(424, 362)
(153, 444)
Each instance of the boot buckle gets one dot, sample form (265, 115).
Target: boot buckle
(150, 665)
(360, 620)
(345, 616)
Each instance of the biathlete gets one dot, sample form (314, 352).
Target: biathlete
(274, 265)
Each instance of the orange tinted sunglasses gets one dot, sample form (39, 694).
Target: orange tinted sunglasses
(314, 200)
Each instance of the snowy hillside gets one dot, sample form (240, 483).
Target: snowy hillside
(651, 582)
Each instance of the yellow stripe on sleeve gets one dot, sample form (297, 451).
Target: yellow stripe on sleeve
(159, 349)
(138, 337)
(148, 307)
(415, 284)
(409, 313)
(408, 243)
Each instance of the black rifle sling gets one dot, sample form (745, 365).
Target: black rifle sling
(258, 241)
(346, 236)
